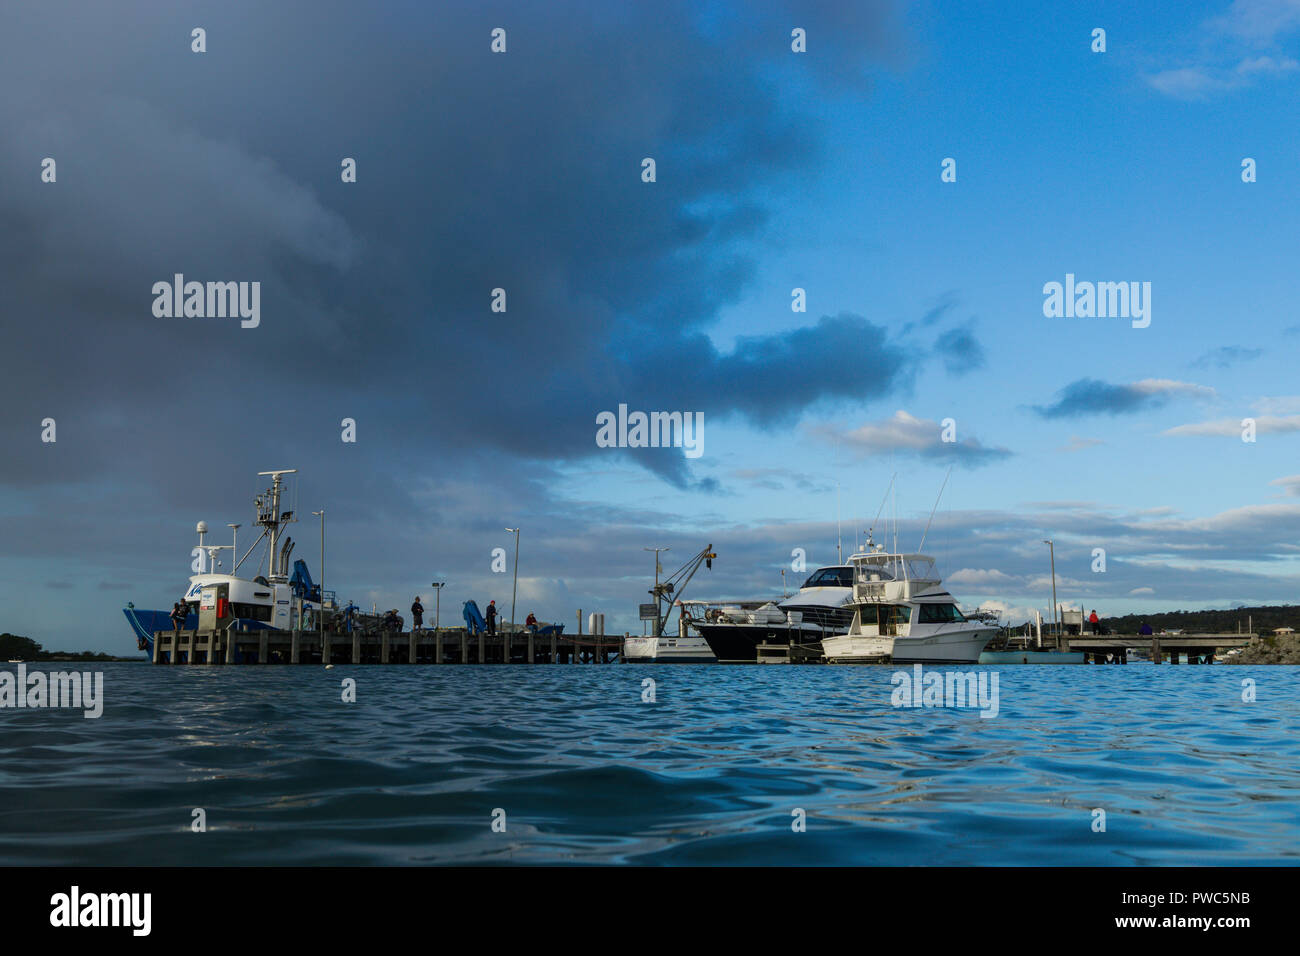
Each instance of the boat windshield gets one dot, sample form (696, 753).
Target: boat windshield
(830, 578)
(939, 613)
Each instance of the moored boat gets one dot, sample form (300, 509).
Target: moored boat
(900, 598)
(276, 600)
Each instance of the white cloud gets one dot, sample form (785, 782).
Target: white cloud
(1231, 427)
(907, 433)
(1290, 484)
(901, 431)
(1137, 591)
(1169, 386)
(979, 577)
(1278, 405)
(1254, 24)
(1259, 21)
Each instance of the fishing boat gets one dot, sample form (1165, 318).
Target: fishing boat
(270, 599)
(681, 648)
(667, 650)
(900, 598)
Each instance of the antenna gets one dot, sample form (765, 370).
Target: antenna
(935, 508)
(894, 485)
(882, 504)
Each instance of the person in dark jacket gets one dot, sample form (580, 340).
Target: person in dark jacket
(417, 614)
(490, 618)
(178, 616)
(531, 622)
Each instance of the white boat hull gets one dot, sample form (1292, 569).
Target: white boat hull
(667, 650)
(956, 646)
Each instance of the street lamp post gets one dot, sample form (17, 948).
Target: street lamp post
(1056, 624)
(514, 588)
(321, 513)
(437, 605)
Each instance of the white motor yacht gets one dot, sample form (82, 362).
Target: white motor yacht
(901, 610)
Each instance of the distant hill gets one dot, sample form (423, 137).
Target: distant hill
(1260, 619)
(15, 647)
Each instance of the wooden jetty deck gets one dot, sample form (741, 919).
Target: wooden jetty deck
(1114, 648)
(446, 646)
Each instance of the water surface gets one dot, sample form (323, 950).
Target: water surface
(711, 772)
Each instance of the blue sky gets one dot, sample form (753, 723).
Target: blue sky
(776, 170)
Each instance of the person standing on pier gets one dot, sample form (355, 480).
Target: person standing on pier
(491, 618)
(178, 617)
(1094, 622)
(417, 614)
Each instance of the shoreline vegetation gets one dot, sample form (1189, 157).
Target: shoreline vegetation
(1269, 649)
(16, 647)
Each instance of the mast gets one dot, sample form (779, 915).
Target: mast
(270, 517)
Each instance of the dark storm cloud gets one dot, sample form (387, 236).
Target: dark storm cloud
(475, 171)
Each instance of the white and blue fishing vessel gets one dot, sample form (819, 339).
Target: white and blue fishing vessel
(271, 598)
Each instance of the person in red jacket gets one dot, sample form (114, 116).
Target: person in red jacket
(1094, 621)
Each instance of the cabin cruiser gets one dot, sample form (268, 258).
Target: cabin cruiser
(820, 608)
(902, 612)
(275, 600)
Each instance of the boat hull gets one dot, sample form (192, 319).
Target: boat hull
(667, 650)
(145, 623)
(738, 643)
(946, 647)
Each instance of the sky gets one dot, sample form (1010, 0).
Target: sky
(775, 170)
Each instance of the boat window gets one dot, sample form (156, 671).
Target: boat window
(939, 614)
(830, 578)
(889, 616)
(251, 612)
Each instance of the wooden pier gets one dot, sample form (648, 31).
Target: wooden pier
(446, 646)
(1114, 648)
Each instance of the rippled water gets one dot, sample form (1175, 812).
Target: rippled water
(709, 773)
